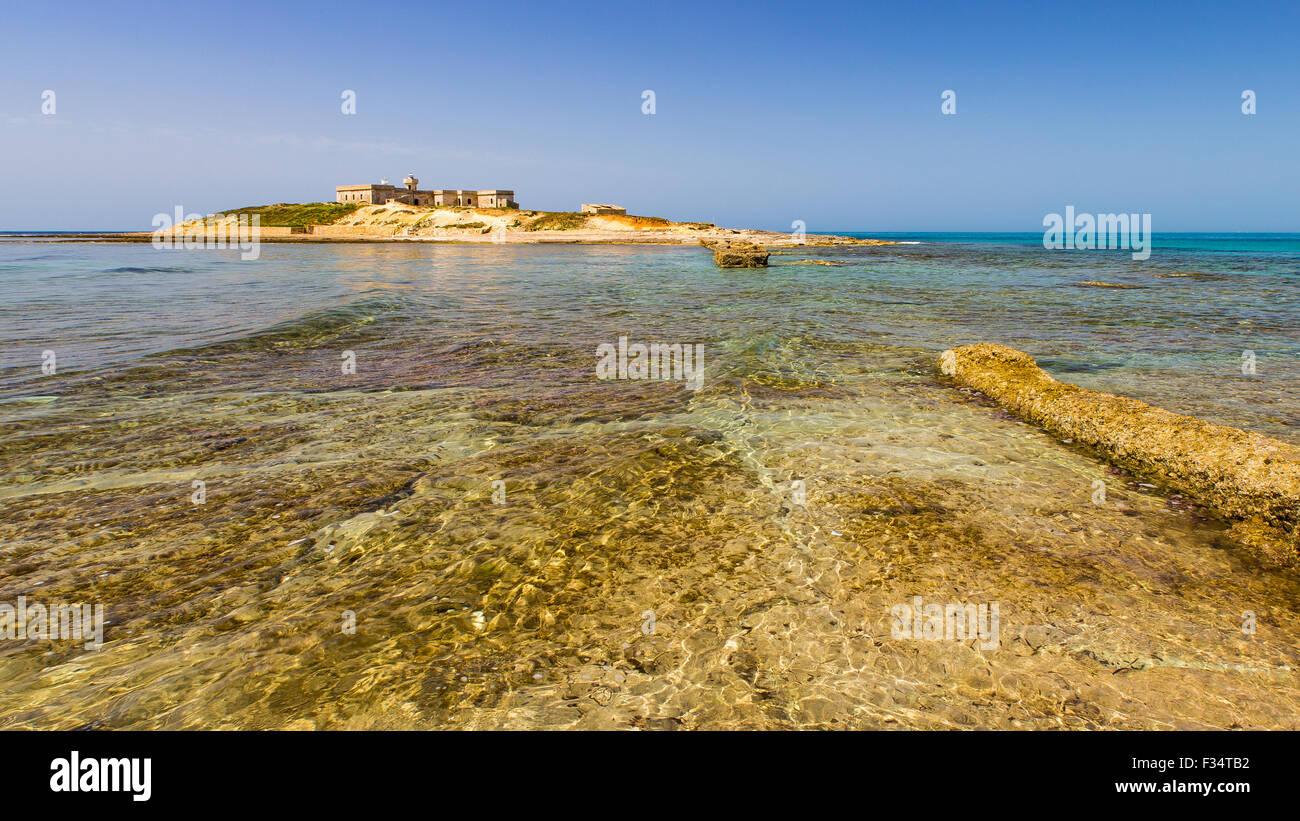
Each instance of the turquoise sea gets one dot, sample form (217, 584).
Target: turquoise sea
(1227, 243)
(520, 544)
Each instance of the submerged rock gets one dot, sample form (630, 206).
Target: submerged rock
(1246, 477)
(737, 254)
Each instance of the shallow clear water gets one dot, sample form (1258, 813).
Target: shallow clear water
(373, 493)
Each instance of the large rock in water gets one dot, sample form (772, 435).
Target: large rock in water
(1244, 476)
(737, 254)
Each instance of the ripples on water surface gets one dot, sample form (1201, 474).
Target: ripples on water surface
(373, 492)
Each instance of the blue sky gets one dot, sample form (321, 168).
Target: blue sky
(765, 112)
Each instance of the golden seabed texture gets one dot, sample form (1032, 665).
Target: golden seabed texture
(472, 529)
(1249, 478)
(767, 611)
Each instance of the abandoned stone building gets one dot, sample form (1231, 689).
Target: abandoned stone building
(412, 195)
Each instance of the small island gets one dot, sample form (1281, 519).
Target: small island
(388, 213)
(398, 221)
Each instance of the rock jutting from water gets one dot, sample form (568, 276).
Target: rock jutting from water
(1246, 477)
(737, 254)
(1096, 284)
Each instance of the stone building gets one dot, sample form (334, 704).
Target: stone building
(602, 208)
(412, 195)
